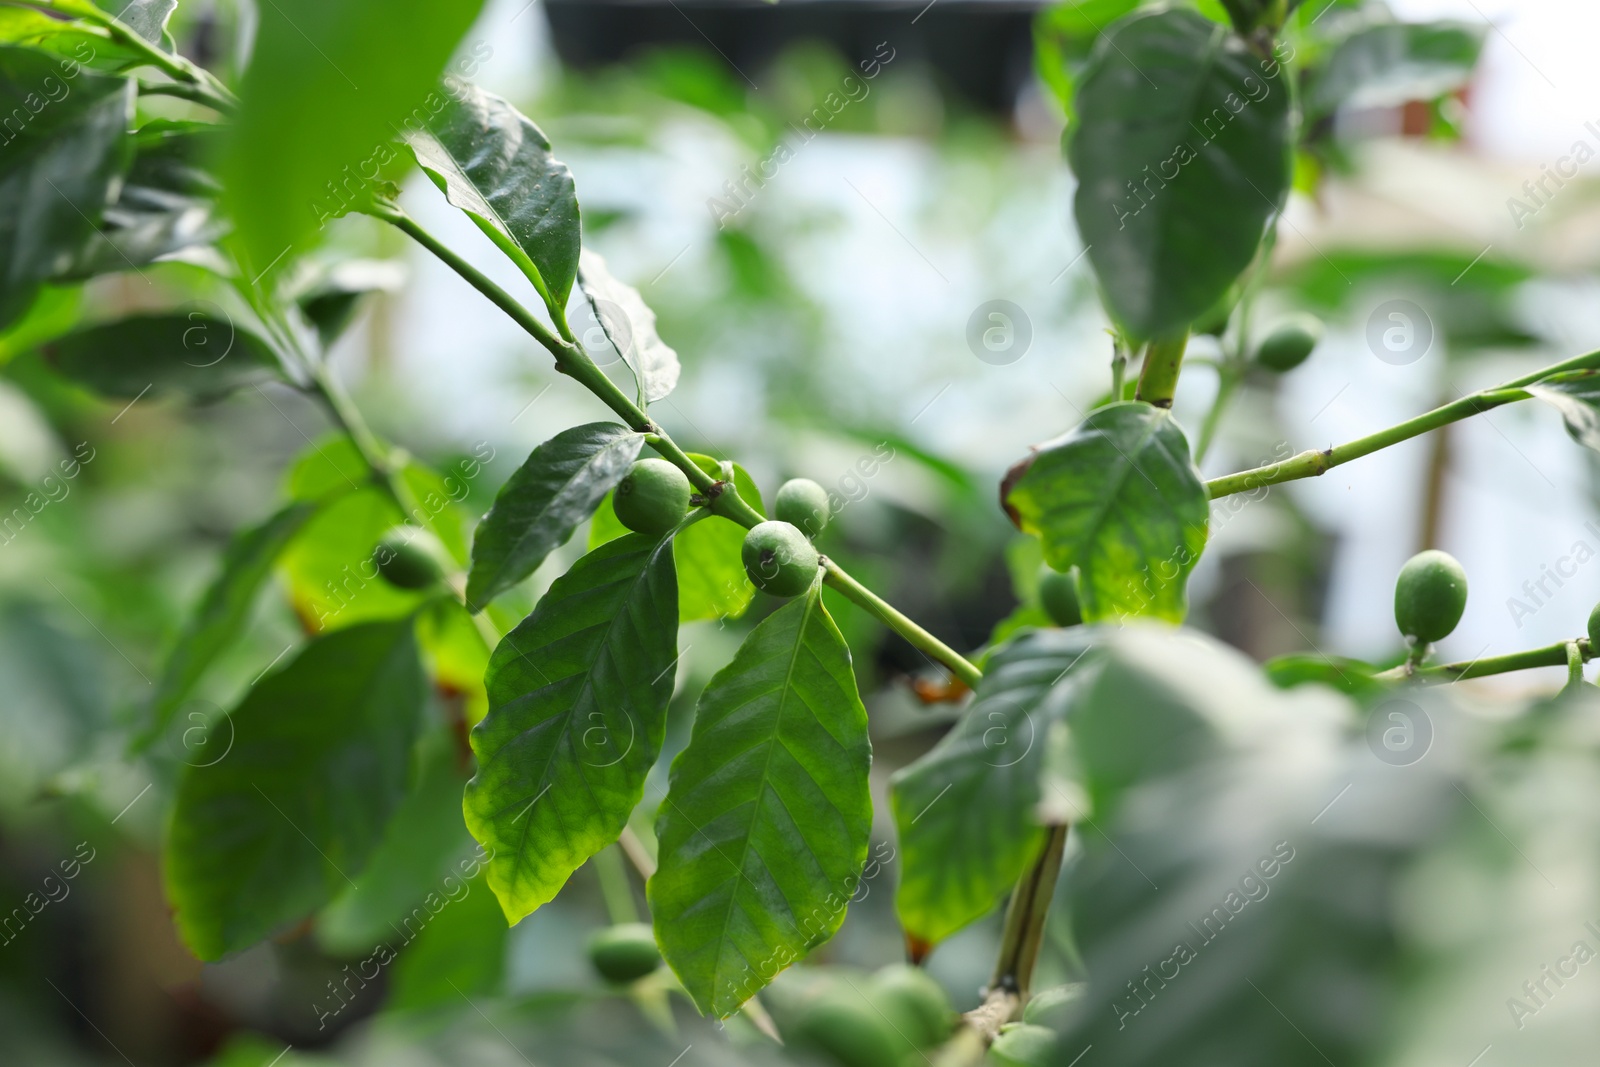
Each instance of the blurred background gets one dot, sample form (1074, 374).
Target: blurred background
(822, 274)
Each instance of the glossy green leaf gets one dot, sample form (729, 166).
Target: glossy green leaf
(288, 796)
(329, 87)
(165, 204)
(62, 150)
(1064, 34)
(630, 328)
(965, 812)
(1182, 152)
(764, 830)
(1576, 394)
(577, 711)
(492, 162)
(192, 353)
(561, 484)
(417, 866)
(1119, 499)
(1390, 64)
(224, 610)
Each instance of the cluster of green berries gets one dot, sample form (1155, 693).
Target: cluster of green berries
(778, 554)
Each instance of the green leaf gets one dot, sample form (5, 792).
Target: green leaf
(1182, 154)
(462, 952)
(417, 865)
(1576, 394)
(965, 812)
(327, 89)
(65, 144)
(492, 162)
(1119, 499)
(765, 827)
(192, 354)
(1389, 65)
(147, 18)
(223, 611)
(331, 301)
(287, 798)
(630, 328)
(1064, 34)
(165, 204)
(56, 704)
(560, 485)
(577, 711)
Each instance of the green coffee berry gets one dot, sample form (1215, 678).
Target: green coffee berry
(652, 497)
(914, 1004)
(1058, 595)
(1290, 343)
(624, 953)
(1594, 631)
(410, 557)
(1430, 595)
(804, 503)
(779, 559)
(843, 1028)
(1023, 1045)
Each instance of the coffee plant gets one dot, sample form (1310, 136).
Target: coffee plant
(1181, 788)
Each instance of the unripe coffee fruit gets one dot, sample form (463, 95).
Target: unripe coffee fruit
(779, 558)
(1430, 595)
(624, 953)
(803, 503)
(410, 557)
(652, 497)
(1290, 343)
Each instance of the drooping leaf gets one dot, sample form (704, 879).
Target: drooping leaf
(65, 144)
(630, 328)
(1181, 151)
(328, 88)
(577, 711)
(764, 830)
(189, 353)
(966, 811)
(165, 204)
(461, 952)
(223, 611)
(1119, 499)
(287, 797)
(492, 162)
(1576, 394)
(331, 301)
(418, 864)
(559, 486)
(1390, 64)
